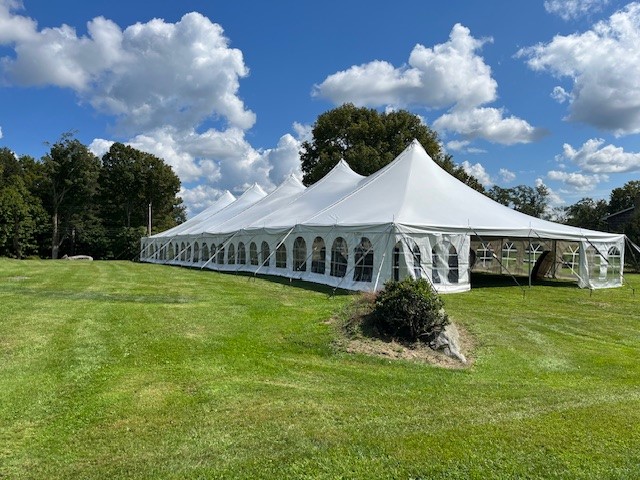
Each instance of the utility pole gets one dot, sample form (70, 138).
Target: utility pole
(149, 225)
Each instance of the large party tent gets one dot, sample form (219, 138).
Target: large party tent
(410, 218)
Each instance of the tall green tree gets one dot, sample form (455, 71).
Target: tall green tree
(624, 197)
(587, 213)
(368, 140)
(132, 183)
(69, 184)
(21, 213)
(533, 201)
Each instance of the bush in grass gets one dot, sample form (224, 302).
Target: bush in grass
(409, 310)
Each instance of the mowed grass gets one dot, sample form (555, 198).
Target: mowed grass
(123, 370)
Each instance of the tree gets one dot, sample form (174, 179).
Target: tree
(132, 182)
(21, 213)
(69, 184)
(624, 197)
(522, 198)
(587, 213)
(368, 140)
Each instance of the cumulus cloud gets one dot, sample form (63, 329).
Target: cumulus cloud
(478, 171)
(595, 157)
(0, 132)
(490, 124)
(572, 9)
(602, 66)
(555, 200)
(199, 197)
(506, 175)
(450, 75)
(147, 75)
(577, 182)
(173, 89)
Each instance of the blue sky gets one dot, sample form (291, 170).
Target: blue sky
(520, 92)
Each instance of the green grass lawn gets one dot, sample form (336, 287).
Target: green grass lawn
(123, 370)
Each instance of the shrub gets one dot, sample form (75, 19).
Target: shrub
(409, 310)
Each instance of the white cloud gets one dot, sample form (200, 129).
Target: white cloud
(14, 27)
(284, 159)
(0, 132)
(577, 181)
(572, 9)
(100, 146)
(490, 124)
(593, 157)
(449, 73)
(478, 171)
(560, 95)
(602, 65)
(167, 85)
(458, 145)
(554, 199)
(199, 197)
(147, 75)
(506, 175)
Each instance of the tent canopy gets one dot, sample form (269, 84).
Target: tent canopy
(410, 218)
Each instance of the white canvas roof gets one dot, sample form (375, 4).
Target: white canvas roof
(286, 192)
(248, 198)
(224, 200)
(415, 192)
(331, 188)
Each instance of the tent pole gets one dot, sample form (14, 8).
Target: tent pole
(529, 263)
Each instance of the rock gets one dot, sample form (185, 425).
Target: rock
(449, 342)
(78, 257)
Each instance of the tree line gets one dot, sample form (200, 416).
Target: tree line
(72, 202)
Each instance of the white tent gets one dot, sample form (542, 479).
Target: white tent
(411, 218)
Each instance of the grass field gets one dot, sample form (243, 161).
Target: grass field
(122, 370)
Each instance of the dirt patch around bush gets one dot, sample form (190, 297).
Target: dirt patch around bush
(354, 336)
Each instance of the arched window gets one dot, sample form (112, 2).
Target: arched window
(485, 254)
(509, 256)
(242, 254)
(231, 254)
(318, 256)
(205, 252)
(339, 257)
(363, 261)
(220, 254)
(253, 253)
(435, 265)
(613, 267)
(196, 252)
(299, 255)
(180, 254)
(281, 256)
(417, 262)
(395, 264)
(453, 276)
(187, 255)
(172, 254)
(265, 253)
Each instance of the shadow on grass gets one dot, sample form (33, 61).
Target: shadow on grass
(285, 281)
(490, 280)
